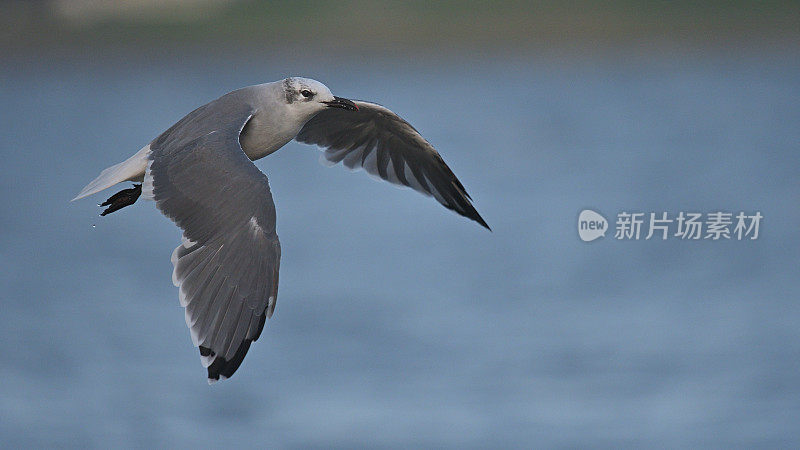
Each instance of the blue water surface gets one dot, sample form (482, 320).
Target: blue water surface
(398, 322)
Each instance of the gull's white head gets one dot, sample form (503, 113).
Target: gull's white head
(308, 97)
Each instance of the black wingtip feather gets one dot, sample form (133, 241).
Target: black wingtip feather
(222, 367)
(480, 220)
(472, 213)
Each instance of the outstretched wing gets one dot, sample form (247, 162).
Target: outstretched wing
(226, 269)
(382, 143)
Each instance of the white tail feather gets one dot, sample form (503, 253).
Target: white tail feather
(132, 169)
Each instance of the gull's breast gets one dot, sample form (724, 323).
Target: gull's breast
(261, 136)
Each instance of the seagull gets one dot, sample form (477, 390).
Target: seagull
(200, 175)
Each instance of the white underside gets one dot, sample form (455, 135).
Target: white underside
(132, 169)
(147, 184)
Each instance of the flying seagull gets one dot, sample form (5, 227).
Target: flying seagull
(200, 175)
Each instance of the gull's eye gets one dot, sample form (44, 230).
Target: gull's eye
(306, 93)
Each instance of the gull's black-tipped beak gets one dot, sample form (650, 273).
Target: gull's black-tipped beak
(339, 102)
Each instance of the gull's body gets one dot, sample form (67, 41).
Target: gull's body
(200, 175)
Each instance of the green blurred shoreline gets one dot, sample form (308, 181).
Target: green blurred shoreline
(379, 27)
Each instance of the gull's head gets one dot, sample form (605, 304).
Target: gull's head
(308, 97)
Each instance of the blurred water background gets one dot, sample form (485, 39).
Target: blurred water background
(399, 323)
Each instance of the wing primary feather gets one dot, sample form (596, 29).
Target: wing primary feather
(390, 148)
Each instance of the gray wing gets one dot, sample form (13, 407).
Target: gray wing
(227, 266)
(382, 143)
